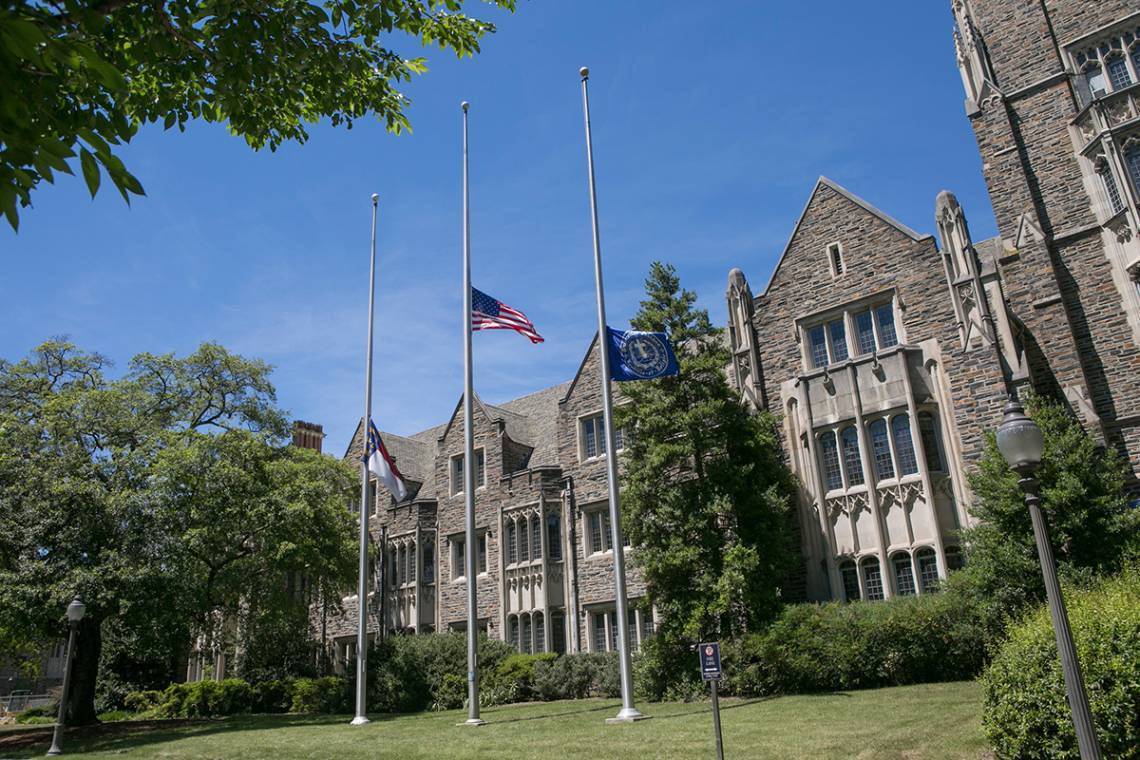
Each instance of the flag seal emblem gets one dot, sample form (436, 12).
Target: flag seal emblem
(645, 354)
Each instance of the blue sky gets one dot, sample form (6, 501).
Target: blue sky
(711, 123)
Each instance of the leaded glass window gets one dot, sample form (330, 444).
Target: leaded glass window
(1110, 189)
(557, 631)
(535, 538)
(539, 633)
(412, 562)
(599, 632)
(904, 574)
(904, 444)
(524, 540)
(872, 579)
(830, 456)
(429, 561)
(838, 335)
(1118, 72)
(1132, 161)
(927, 569)
(512, 542)
(885, 320)
(513, 631)
(866, 331)
(881, 450)
(953, 558)
(554, 536)
(850, 575)
(525, 634)
(852, 462)
(481, 556)
(646, 624)
(818, 343)
(1095, 76)
(598, 525)
(931, 442)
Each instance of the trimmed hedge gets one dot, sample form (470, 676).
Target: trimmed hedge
(835, 647)
(1026, 714)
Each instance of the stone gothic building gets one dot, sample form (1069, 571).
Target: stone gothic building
(545, 563)
(886, 355)
(884, 352)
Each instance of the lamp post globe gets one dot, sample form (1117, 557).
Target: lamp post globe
(1019, 440)
(76, 610)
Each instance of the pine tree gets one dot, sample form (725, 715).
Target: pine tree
(706, 497)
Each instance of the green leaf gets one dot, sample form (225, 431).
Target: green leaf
(12, 215)
(90, 170)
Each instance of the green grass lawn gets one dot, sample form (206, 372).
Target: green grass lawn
(928, 721)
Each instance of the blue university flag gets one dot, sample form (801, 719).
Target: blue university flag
(636, 355)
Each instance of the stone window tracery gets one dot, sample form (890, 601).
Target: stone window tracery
(904, 446)
(1108, 64)
(1108, 181)
(832, 475)
(881, 450)
(852, 460)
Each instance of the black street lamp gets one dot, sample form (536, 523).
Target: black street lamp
(75, 612)
(1022, 445)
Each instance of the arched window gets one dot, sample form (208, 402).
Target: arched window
(513, 630)
(525, 634)
(927, 569)
(554, 536)
(953, 558)
(872, 579)
(931, 442)
(904, 444)
(850, 575)
(852, 462)
(512, 542)
(829, 456)
(881, 450)
(1118, 72)
(539, 633)
(535, 537)
(904, 574)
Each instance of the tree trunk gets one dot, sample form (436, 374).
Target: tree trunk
(84, 669)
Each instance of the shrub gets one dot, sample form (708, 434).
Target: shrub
(321, 695)
(272, 696)
(142, 701)
(1026, 714)
(860, 645)
(43, 714)
(513, 679)
(577, 676)
(206, 699)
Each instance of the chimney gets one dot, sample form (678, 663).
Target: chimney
(308, 435)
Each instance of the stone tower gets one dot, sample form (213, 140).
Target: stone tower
(1053, 95)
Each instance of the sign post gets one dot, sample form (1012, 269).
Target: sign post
(710, 671)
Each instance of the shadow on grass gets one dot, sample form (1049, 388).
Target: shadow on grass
(557, 715)
(106, 737)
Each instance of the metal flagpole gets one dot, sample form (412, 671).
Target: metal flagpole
(473, 718)
(362, 581)
(628, 712)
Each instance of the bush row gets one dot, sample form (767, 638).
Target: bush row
(1026, 714)
(405, 674)
(834, 647)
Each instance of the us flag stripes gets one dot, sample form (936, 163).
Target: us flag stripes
(488, 313)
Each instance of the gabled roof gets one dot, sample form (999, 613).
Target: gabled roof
(570, 386)
(825, 182)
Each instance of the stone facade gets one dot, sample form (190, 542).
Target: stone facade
(880, 432)
(545, 579)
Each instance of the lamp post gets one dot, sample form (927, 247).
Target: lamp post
(1022, 445)
(75, 612)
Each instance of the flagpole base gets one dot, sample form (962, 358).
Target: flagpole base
(628, 715)
(473, 722)
(359, 720)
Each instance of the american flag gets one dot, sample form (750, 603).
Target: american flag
(489, 314)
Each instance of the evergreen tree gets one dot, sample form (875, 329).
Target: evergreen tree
(1091, 527)
(706, 497)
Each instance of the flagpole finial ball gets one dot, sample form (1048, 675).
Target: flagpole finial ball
(585, 72)
(465, 105)
(375, 198)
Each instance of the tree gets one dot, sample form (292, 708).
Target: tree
(1091, 527)
(83, 75)
(90, 491)
(706, 498)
